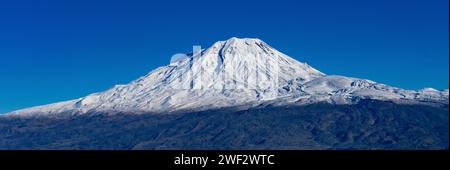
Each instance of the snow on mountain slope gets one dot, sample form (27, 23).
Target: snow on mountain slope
(347, 90)
(235, 72)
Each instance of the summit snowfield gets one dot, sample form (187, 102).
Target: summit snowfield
(237, 72)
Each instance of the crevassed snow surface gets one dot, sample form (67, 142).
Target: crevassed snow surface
(236, 72)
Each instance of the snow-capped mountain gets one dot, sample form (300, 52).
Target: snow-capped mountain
(236, 72)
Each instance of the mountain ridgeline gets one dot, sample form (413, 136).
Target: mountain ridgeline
(236, 72)
(237, 94)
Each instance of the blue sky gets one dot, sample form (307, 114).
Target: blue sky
(58, 50)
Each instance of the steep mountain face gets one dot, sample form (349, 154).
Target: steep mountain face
(237, 72)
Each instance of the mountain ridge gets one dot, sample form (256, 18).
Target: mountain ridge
(230, 73)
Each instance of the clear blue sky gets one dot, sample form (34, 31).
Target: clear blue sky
(58, 50)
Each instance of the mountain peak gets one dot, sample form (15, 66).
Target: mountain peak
(250, 59)
(241, 43)
(235, 72)
(242, 40)
(229, 73)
